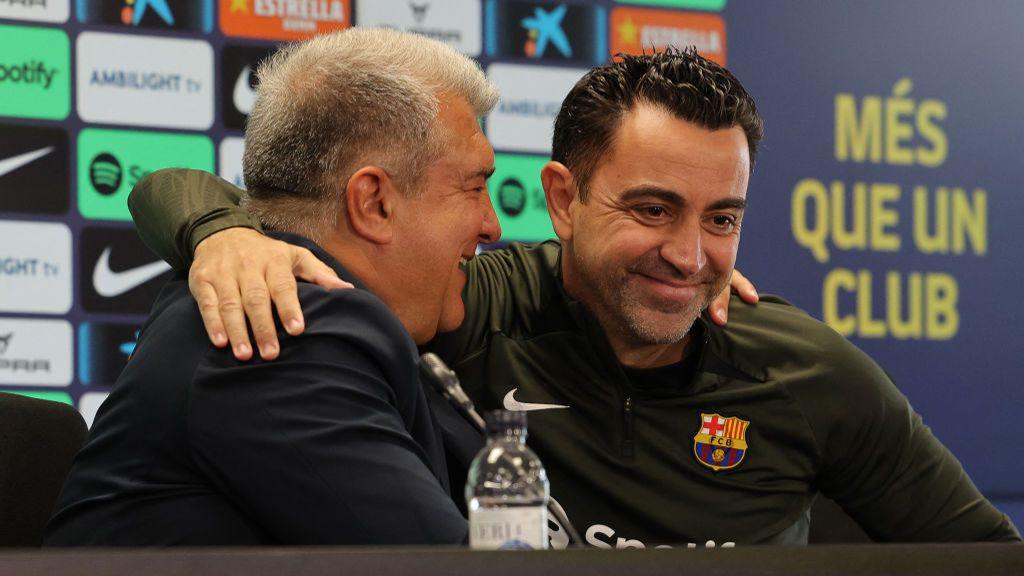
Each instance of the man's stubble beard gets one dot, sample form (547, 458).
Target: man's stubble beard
(624, 308)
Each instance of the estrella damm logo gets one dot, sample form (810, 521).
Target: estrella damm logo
(720, 442)
(637, 29)
(283, 19)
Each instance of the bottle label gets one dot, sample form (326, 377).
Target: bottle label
(509, 528)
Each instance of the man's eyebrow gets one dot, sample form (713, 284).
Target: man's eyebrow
(483, 172)
(670, 197)
(652, 192)
(729, 203)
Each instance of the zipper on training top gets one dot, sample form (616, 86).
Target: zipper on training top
(627, 428)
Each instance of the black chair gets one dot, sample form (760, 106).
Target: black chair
(38, 441)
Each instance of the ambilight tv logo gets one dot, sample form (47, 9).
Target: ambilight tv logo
(111, 162)
(35, 73)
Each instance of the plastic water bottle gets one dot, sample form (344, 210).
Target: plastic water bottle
(507, 490)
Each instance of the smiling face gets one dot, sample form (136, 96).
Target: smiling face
(656, 239)
(440, 228)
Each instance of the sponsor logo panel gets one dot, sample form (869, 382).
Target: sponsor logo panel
(238, 82)
(62, 397)
(103, 350)
(111, 162)
(283, 19)
(145, 81)
(190, 15)
(231, 151)
(35, 267)
(33, 169)
(524, 119)
(637, 29)
(119, 274)
(89, 404)
(36, 10)
(693, 4)
(454, 22)
(518, 198)
(35, 352)
(35, 73)
(551, 31)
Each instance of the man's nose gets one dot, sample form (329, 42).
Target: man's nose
(685, 249)
(490, 228)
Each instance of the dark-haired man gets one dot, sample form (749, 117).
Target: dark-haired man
(657, 427)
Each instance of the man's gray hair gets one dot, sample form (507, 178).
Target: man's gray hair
(333, 104)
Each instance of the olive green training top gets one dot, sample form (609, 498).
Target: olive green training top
(731, 446)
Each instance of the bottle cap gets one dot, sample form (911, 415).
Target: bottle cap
(503, 421)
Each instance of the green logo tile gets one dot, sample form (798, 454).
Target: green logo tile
(691, 4)
(35, 73)
(61, 397)
(110, 162)
(518, 198)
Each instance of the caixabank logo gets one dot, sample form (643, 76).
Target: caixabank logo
(283, 19)
(454, 22)
(35, 73)
(111, 162)
(119, 274)
(35, 267)
(34, 169)
(144, 81)
(634, 30)
(550, 31)
(36, 10)
(35, 352)
(191, 15)
(103, 350)
(238, 81)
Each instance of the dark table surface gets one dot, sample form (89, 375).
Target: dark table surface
(952, 559)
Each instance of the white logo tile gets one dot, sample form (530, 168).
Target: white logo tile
(145, 81)
(231, 151)
(454, 22)
(89, 404)
(35, 352)
(524, 119)
(36, 10)
(35, 267)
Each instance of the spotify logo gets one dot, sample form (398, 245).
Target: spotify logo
(105, 173)
(512, 196)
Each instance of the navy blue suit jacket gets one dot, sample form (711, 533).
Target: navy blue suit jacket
(332, 443)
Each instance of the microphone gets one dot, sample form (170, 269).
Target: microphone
(444, 380)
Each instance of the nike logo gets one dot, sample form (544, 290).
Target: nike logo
(109, 283)
(513, 405)
(11, 164)
(243, 95)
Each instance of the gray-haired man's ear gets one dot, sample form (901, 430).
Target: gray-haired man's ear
(370, 198)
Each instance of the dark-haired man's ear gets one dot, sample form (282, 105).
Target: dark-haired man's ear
(370, 198)
(560, 192)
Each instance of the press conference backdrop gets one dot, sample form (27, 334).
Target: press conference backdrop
(887, 199)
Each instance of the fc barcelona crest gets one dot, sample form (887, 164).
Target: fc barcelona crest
(720, 442)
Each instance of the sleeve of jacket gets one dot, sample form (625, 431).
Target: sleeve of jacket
(317, 446)
(885, 467)
(174, 209)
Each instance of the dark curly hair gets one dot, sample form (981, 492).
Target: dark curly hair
(683, 82)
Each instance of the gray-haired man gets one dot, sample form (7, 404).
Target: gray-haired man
(364, 147)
